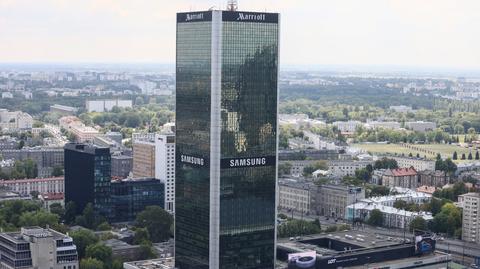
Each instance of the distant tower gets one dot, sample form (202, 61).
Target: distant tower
(232, 5)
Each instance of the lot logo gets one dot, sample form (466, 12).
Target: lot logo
(332, 261)
(250, 17)
(194, 17)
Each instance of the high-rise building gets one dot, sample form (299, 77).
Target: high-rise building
(470, 202)
(87, 177)
(144, 158)
(165, 167)
(226, 139)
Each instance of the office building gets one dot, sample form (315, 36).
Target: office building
(470, 202)
(87, 177)
(331, 200)
(122, 166)
(419, 164)
(226, 139)
(342, 168)
(144, 158)
(131, 196)
(296, 195)
(165, 167)
(35, 247)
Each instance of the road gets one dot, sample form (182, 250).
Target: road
(56, 133)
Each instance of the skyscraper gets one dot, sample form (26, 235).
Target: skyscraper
(226, 147)
(87, 177)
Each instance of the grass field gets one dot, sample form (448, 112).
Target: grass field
(430, 150)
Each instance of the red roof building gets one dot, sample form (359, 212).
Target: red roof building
(401, 177)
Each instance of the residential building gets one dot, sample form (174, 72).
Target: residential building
(87, 177)
(16, 120)
(319, 142)
(165, 167)
(311, 154)
(122, 166)
(347, 127)
(49, 199)
(115, 136)
(393, 125)
(346, 168)
(419, 164)
(63, 110)
(470, 202)
(410, 196)
(433, 178)
(392, 217)
(7, 95)
(402, 109)
(297, 166)
(131, 196)
(400, 177)
(331, 200)
(106, 105)
(40, 185)
(144, 158)
(226, 139)
(35, 247)
(421, 126)
(42, 156)
(6, 195)
(296, 195)
(7, 142)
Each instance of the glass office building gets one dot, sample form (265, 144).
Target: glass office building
(226, 128)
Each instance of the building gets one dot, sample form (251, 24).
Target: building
(163, 263)
(144, 158)
(402, 109)
(410, 196)
(7, 142)
(296, 195)
(122, 166)
(87, 177)
(433, 178)
(331, 200)
(75, 126)
(346, 168)
(115, 136)
(35, 247)
(106, 105)
(297, 167)
(6, 195)
(40, 185)
(392, 217)
(470, 202)
(393, 125)
(226, 139)
(421, 126)
(123, 250)
(419, 164)
(42, 156)
(16, 120)
(131, 196)
(400, 177)
(63, 110)
(49, 199)
(347, 127)
(287, 155)
(165, 167)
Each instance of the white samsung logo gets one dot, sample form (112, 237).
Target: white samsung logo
(248, 162)
(192, 160)
(194, 17)
(250, 17)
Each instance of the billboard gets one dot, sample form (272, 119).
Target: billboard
(424, 243)
(302, 260)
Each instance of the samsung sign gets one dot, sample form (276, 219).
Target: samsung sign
(248, 162)
(197, 161)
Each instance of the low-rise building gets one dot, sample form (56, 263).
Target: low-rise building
(15, 120)
(433, 178)
(107, 105)
(42, 156)
(331, 200)
(347, 127)
(295, 194)
(123, 250)
(470, 202)
(49, 199)
(121, 166)
(410, 196)
(419, 164)
(7, 142)
(40, 185)
(162, 263)
(400, 177)
(346, 168)
(35, 247)
(63, 110)
(6, 195)
(421, 126)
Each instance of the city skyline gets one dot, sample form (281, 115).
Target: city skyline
(398, 33)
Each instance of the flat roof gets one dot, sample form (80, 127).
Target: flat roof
(433, 258)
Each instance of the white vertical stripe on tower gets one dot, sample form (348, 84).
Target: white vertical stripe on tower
(215, 129)
(276, 149)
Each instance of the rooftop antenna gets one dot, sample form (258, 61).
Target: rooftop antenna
(232, 5)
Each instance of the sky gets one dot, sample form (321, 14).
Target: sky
(428, 33)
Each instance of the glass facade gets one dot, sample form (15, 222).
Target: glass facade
(248, 139)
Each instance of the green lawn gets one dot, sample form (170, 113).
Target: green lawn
(432, 150)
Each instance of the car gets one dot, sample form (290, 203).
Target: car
(291, 239)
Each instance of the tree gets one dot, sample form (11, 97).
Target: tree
(448, 220)
(455, 156)
(100, 252)
(90, 263)
(463, 156)
(38, 218)
(57, 208)
(470, 157)
(400, 204)
(363, 174)
(284, 168)
(82, 239)
(418, 223)
(89, 215)
(385, 163)
(157, 221)
(57, 171)
(146, 251)
(376, 218)
(70, 212)
(477, 156)
(297, 227)
(141, 235)
(139, 101)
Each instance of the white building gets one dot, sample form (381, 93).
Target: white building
(346, 168)
(319, 142)
(401, 109)
(40, 248)
(7, 95)
(295, 195)
(383, 125)
(418, 163)
(15, 120)
(165, 167)
(107, 105)
(347, 126)
(40, 185)
(410, 196)
(470, 202)
(421, 126)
